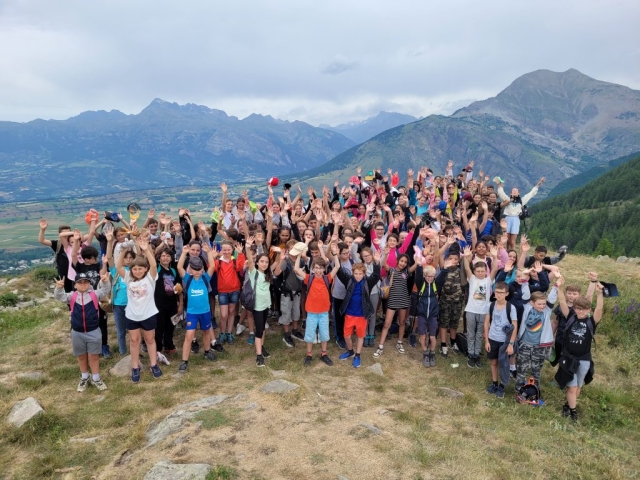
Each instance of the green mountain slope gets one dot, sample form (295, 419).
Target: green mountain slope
(602, 217)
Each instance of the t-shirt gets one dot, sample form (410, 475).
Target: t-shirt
(339, 289)
(355, 302)
(165, 283)
(479, 293)
(262, 290)
(228, 280)
(140, 302)
(533, 328)
(578, 342)
(318, 300)
(499, 321)
(197, 294)
(119, 288)
(92, 271)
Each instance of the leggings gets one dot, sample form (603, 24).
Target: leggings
(102, 322)
(260, 318)
(371, 324)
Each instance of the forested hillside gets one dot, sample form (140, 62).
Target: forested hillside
(603, 217)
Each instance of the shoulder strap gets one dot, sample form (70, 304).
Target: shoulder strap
(326, 282)
(509, 312)
(186, 286)
(73, 300)
(94, 298)
(491, 308)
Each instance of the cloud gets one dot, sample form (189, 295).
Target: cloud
(338, 65)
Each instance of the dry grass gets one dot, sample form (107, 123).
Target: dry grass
(316, 431)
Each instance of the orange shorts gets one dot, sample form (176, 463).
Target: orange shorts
(351, 323)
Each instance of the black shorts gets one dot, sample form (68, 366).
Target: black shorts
(148, 324)
(495, 349)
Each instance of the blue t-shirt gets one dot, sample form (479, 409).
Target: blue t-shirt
(198, 294)
(355, 302)
(119, 288)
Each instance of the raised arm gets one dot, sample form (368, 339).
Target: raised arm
(562, 301)
(223, 187)
(43, 228)
(183, 256)
(494, 264)
(211, 257)
(597, 313)
(524, 250)
(593, 281)
(143, 246)
(467, 254)
(77, 240)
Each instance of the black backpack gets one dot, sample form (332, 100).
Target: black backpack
(524, 214)
(248, 292)
(491, 307)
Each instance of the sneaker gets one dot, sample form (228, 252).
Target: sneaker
(209, 355)
(425, 360)
(155, 370)
(162, 359)
(513, 373)
(444, 352)
(432, 358)
(327, 360)
(183, 367)
(500, 391)
(400, 348)
(307, 360)
(478, 363)
(239, 329)
(230, 338)
(574, 415)
(222, 338)
(288, 341)
(492, 389)
(266, 325)
(347, 354)
(195, 346)
(135, 375)
(106, 351)
(356, 362)
(259, 361)
(471, 362)
(566, 411)
(378, 353)
(412, 340)
(297, 334)
(218, 347)
(341, 343)
(265, 354)
(82, 385)
(252, 339)
(454, 348)
(143, 347)
(99, 384)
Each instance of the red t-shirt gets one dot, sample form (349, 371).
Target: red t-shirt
(318, 300)
(228, 280)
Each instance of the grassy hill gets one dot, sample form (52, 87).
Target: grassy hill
(602, 217)
(322, 429)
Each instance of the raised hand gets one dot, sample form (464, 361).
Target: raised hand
(249, 241)
(43, 224)
(376, 256)
(77, 235)
(494, 252)
(537, 266)
(206, 248)
(151, 213)
(467, 253)
(60, 283)
(108, 234)
(560, 281)
(508, 266)
(105, 276)
(593, 276)
(358, 170)
(223, 187)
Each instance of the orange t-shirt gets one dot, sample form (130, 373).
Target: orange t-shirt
(228, 280)
(318, 300)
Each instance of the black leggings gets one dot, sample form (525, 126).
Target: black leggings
(102, 323)
(164, 329)
(260, 318)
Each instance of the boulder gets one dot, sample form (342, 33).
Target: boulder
(376, 368)
(164, 470)
(622, 259)
(123, 367)
(280, 386)
(24, 411)
(372, 428)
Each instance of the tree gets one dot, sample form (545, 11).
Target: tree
(605, 247)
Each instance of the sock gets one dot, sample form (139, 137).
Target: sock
(501, 385)
(445, 349)
(213, 342)
(381, 346)
(185, 361)
(443, 344)
(85, 375)
(425, 352)
(207, 351)
(324, 352)
(95, 376)
(512, 368)
(251, 333)
(357, 355)
(495, 384)
(351, 351)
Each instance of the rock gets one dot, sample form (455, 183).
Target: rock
(383, 412)
(164, 470)
(372, 428)
(13, 280)
(251, 406)
(123, 367)
(24, 411)
(56, 311)
(31, 376)
(88, 440)
(634, 260)
(204, 403)
(376, 368)
(450, 392)
(602, 257)
(342, 477)
(622, 259)
(279, 386)
(278, 373)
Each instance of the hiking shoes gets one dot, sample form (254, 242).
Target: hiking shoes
(239, 329)
(106, 351)
(307, 360)
(221, 339)
(265, 354)
(230, 338)
(341, 343)
(444, 352)
(356, 361)
(155, 371)
(209, 355)
(83, 384)
(432, 358)
(492, 389)
(454, 348)
(217, 347)
(471, 362)
(297, 335)
(195, 346)
(425, 360)
(99, 384)
(500, 391)
(252, 339)
(566, 411)
(347, 354)
(573, 414)
(327, 360)
(135, 375)
(288, 341)
(183, 367)
(378, 353)
(478, 363)
(259, 361)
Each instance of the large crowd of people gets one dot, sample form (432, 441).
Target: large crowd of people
(431, 260)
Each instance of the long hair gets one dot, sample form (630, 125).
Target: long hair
(267, 272)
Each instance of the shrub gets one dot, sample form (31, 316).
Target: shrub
(8, 300)
(45, 274)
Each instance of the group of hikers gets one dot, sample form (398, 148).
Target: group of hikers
(368, 260)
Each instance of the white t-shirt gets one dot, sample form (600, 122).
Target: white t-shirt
(141, 304)
(479, 293)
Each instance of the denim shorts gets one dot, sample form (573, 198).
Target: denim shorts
(318, 321)
(228, 298)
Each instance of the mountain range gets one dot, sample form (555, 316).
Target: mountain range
(366, 129)
(166, 144)
(544, 124)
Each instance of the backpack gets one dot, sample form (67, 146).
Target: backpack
(524, 214)
(185, 290)
(491, 307)
(74, 299)
(248, 292)
(529, 393)
(461, 342)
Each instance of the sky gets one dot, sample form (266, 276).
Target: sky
(317, 61)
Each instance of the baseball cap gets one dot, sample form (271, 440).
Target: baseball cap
(195, 263)
(82, 277)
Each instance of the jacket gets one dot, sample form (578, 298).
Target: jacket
(427, 301)
(84, 317)
(346, 277)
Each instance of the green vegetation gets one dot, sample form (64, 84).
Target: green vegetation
(603, 217)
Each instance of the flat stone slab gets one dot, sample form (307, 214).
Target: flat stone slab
(24, 411)
(31, 376)
(164, 470)
(376, 368)
(450, 392)
(372, 428)
(280, 386)
(123, 367)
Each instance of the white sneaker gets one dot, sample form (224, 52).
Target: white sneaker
(82, 386)
(99, 384)
(162, 358)
(240, 328)
(379, 351)
(266, 326)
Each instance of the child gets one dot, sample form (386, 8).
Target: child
(535, 337)
(576, 364)
(427, 311)
(228, 269)
(478, 302)
(85, 329)
(168, 300)
(290, 292)
(500, 324)
(260, 279)
(317, 305)
(141, 311)
(195, 281)
(119, 291)
(450, 299)
(356, 306)
(62, 249)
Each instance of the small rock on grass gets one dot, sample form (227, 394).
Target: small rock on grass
(280, 386)
(376, 368)
(31, 376)
(24, 411)
(123, 367)
(372, 428)
(450, 392)
(165, 470)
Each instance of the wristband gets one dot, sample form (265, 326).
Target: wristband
(511, 343)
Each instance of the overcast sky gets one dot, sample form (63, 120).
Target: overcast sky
(317, 61)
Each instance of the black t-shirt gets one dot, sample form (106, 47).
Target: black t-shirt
(164, 294)
(92, 271)
(562, 322)
(578, 341)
